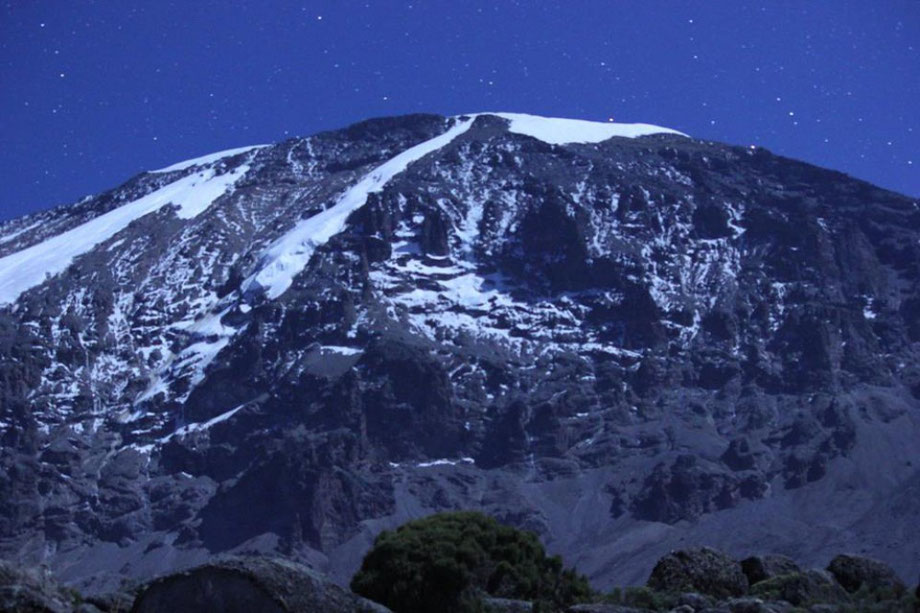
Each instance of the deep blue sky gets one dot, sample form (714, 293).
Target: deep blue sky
(92, 92)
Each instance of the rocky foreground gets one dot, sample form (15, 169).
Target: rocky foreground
(700, 580)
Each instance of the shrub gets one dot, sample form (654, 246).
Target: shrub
(445, 562)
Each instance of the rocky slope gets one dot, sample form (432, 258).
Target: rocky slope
(700, 580)
(620, 337)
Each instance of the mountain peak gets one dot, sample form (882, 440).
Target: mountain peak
(581, 328)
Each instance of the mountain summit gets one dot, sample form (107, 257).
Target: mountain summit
(615, 335)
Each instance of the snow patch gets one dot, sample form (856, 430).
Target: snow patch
(341, 349)
(445, 462)
(558, 131)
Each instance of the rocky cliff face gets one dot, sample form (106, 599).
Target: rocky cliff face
(617, 336)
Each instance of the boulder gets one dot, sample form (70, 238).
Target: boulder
(247, 584)
(32, 590)
(856, 572)
(506, 605)
(802, 588)
(702, 570)
(761, 568)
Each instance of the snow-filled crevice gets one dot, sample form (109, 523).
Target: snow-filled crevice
(290, 253)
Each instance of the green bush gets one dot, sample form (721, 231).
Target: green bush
(445, 562)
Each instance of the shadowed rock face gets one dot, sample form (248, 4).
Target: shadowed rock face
(761, 568)
(623, 346)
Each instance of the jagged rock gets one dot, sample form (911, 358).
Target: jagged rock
(760, 568)
(802, 588)
(702, 570)
(32, 590)
(857, 573)
(247, 584)
(687, 489)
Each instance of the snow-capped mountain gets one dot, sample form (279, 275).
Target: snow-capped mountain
(618, 336)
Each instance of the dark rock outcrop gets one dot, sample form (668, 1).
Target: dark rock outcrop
(686, 489)
(857, 573)
(701, 570)
(245, 585)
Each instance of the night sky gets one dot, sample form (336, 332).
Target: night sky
(93, 92)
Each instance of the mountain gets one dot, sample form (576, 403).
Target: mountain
(620, 337)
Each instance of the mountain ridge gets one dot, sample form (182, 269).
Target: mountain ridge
(621, 344)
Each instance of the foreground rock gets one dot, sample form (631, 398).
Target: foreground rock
(247, 585)
(701, 570)
(857, 573)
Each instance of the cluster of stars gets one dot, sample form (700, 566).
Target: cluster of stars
(180, 81)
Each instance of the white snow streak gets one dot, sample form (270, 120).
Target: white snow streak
(445, 462)
(288, 255)
(200, 426)
(12, 235)
(208, 159)
(23, 270)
